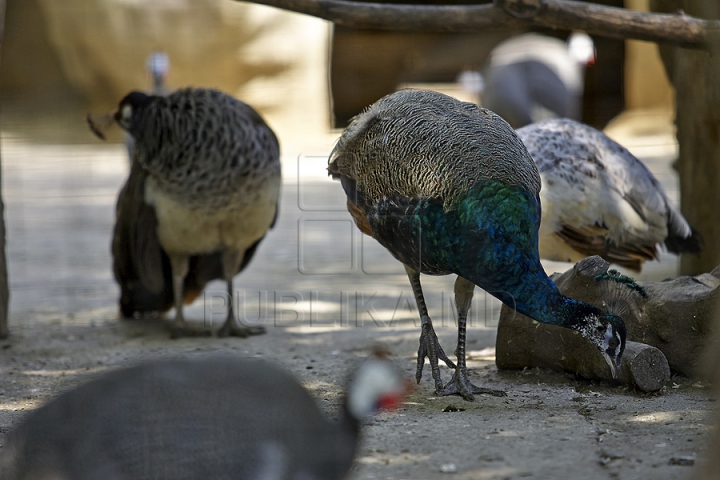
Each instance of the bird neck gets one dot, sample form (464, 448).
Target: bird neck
(537, 297)
(350, 426)
(501, 254)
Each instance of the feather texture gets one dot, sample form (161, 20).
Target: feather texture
(448, 187)
(598, 199)
(201, 195)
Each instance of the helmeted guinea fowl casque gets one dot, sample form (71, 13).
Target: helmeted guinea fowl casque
(599, 199)
(214, 418)
(202, 193)
(448, 187)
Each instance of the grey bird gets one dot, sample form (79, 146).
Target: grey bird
(448, 188)
(599, 199)
(214, 418)
(202, 193)
(531, 77)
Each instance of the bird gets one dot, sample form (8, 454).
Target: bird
(157, 66)
(447, 187)
(530, 77)
(217, 417)
(202, 193)
(599, 199)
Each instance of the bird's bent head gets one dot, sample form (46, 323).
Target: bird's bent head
(129, 106)
(607, 332)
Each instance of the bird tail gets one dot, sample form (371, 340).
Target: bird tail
(682, 238)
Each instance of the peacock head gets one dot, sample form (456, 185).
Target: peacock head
(607, 332)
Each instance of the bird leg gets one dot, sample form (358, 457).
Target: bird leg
(460, 384)
(179, 265)
(429, 345)
(231, 264)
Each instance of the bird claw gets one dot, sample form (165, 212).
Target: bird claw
(430, 348)
(460, 385)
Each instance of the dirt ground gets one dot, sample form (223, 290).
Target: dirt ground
(326, 295)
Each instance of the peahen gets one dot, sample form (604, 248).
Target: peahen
(598, 199)
(202, 193)
(188, 419)
(448, 187)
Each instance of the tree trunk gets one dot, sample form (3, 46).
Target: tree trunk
(4, 288)
(695, 77)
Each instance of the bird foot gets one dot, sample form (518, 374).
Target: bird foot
(460, 385)
(430, 348)
(232, 329)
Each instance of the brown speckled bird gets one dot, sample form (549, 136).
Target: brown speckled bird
(202, 193)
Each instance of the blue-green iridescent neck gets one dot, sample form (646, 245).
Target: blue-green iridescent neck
(510, 218)
(489, 236)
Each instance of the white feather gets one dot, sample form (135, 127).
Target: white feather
(595, 185)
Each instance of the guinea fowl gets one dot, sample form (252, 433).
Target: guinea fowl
(448, 187)
(598, 199)
(202, 193)
(531, 76)
(214, 418)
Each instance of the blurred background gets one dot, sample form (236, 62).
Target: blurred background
(61, 60)
(332, 291)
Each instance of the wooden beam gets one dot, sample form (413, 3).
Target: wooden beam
(678, 29)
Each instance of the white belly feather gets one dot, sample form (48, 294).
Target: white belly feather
(192, 231)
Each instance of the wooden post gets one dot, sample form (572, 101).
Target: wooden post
(4, 287)
(695, 77)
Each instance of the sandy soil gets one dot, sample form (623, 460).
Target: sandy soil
(326, 295)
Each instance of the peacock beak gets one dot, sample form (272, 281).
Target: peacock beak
(611, 362)
(100, 123)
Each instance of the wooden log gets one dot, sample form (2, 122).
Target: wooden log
(523, 342)
(677, 29)
(694, 74)
(675, 318)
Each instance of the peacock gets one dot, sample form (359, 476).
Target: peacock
(448, 187)
(202, 193)
(598, 199)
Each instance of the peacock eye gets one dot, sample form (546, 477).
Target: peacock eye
(600, 329)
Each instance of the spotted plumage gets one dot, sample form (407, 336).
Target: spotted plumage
(187, 419)
(447, 187)
(202, 193)
(598, 199)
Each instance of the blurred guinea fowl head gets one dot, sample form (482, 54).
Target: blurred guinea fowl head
(377, 384)
(582, 48)
(158, 65)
